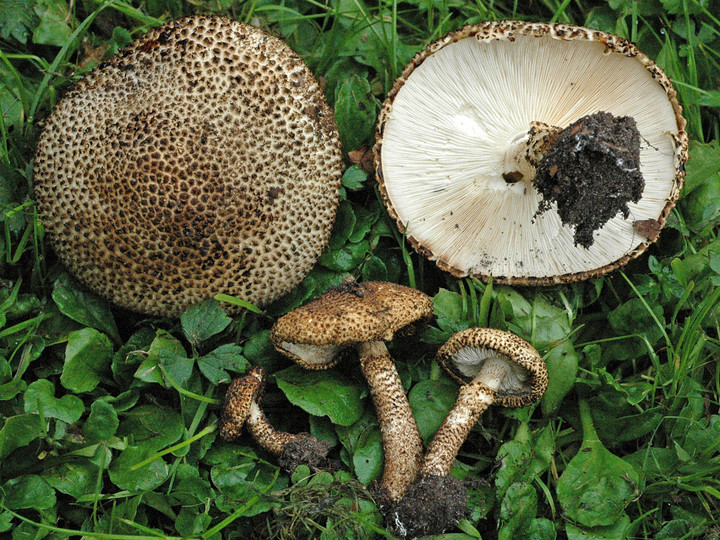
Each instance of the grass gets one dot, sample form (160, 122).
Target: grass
(123, 443)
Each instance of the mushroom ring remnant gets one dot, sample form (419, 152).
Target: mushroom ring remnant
(242, 409)
(200, 159)
(364, 316)
(466, 128)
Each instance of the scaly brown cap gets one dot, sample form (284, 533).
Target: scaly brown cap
(465, 352)
(348, 314)
(200, 159)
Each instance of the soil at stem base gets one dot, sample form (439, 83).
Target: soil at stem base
(591, 172)
(432, 505)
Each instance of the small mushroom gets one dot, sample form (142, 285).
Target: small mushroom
(365, 316)
(471, 123)
(242, 408)
(493, 366)
(200, 159)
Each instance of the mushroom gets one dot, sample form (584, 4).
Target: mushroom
(471, 123)
(364, 316)
(242, 408)
(492, 366)
(200, 159)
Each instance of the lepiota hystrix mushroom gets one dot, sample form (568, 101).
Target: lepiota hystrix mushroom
(242, 409)
(493, 367)
(473, 120)
(364, 316)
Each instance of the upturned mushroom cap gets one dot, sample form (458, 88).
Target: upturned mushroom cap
(348, 314)
(465, 352)
(201, 159)
(455, 118)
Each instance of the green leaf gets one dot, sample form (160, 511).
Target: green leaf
(368, 456)
(102, 423)
(29, 491)
(431, 401)
(596, 486)
(152, 427)
(145, 478)
(374, 269)
(450, 316)
(5, 521)
(82, 307)
(346, 258)
(322, 393)
(343, 226)
(541, 529)
(562, 365)
(354, 177)
(16, 19)
(226, 357)
(517, 509)
(19, 431)
(166, 353)
(202, 321)
(704, 164)
(53, 28)
(239, 475)
(74, 478)
(259, 349)
(40, 395)
(355, 112)
(11, 389)
(702, 206)
(515, 459)
(616, 531)
(87, 360)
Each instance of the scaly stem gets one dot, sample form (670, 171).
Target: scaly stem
(266, 436)
(472, 401)
(402, 443)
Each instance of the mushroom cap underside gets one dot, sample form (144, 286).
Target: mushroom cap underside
(463, 355)
(354, 313)
(446, 131)
(200, 159)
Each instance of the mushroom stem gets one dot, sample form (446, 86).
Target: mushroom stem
(525, 152)
(242, 408)
(472, 401)
(267, 436)
(402, 443)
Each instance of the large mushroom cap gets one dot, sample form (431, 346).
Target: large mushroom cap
(202, 158)
(464, 354)
(448, 139)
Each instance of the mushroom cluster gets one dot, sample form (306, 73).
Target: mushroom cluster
(364, 316)
(470, 128)
(202, 158)
(493, 367)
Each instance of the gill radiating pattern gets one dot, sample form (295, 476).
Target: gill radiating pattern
(472, 98)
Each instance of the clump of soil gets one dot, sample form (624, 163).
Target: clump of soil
(430, 506)
(305, 450)
(591, 172)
